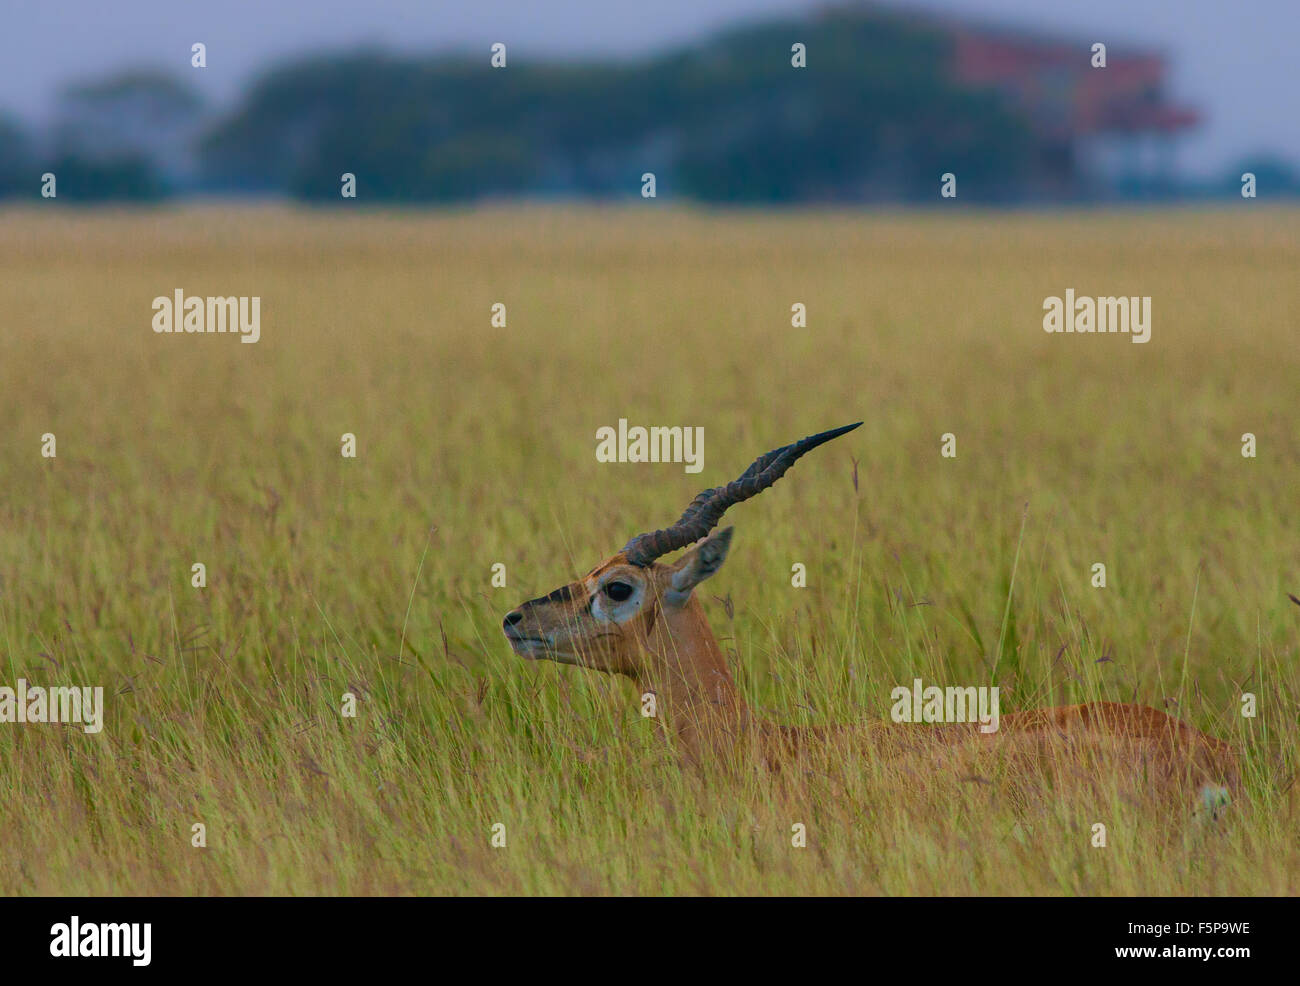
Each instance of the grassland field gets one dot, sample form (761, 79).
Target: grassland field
(475, 446)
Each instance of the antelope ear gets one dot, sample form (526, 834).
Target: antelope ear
(698, 564)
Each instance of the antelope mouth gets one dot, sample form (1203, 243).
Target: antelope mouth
(529, 647)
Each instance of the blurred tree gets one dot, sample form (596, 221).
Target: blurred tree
(18, 174)
(131, 133)
(1273, 177)
(127, 177)
(874, 116)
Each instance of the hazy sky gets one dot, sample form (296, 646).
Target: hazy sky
(1233, 59)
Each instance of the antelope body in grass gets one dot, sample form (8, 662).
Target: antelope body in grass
(636, 616)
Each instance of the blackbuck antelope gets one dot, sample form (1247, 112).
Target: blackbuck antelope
(636, 616)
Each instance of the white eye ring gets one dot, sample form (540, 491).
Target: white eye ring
(611, 610)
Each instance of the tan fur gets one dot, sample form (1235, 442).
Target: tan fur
(667, 648)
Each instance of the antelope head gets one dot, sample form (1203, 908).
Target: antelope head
(632, 608)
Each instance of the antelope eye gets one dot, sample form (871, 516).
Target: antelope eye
(618, 591)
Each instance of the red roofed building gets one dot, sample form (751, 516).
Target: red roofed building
(1112, 122)
(1057, 87)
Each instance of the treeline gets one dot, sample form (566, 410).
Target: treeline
(873, 118)
(729, 120)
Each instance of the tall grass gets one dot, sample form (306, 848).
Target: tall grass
(476, 446)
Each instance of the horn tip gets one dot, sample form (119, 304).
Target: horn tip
(826, 436)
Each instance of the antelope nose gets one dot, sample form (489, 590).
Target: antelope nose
(512, 618)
